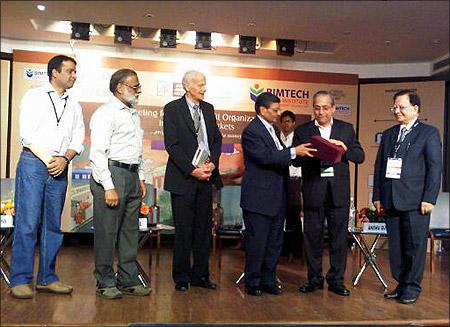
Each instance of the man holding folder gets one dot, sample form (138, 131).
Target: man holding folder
(193, 142)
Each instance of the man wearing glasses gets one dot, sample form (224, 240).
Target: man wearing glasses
(117, 187)
(406, 185)
(326, 193)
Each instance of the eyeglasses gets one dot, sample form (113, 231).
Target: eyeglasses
(401, 108)
(135, 87)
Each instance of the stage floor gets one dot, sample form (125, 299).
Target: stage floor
(229, 303)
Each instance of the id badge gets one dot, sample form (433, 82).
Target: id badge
(394, 168)
(327, 171)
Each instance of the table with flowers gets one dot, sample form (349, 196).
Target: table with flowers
(369, 222)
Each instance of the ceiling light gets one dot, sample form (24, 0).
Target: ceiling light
(122, 34)
(285, 47)
(247, 44)
(168, 38)
(40, 7)
(203, 41)
(80, 31)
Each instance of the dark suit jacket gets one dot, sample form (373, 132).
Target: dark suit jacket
(263, 185)
(180, 141)
(314, 186)
(420, 178)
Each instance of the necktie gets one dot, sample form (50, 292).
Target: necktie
(402, 135)
(197, 124)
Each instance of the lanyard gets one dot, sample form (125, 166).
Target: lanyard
(58, 119)
(401, 140)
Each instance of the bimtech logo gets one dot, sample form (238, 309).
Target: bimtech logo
(29, 72)
(255, 91)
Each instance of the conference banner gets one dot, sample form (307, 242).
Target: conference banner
(232, 90)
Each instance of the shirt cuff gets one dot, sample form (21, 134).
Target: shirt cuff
(108, 184)
(293, 154)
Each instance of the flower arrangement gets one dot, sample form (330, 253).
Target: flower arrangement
(7, 207)
(145, 209)
(370, 215)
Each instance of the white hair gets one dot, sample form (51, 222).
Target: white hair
(190, 75)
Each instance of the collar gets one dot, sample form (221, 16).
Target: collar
(116, 103)
(49, 88)
(284, 138)
(190, 103)
(321, 127)
(409, 125)
(266, 124)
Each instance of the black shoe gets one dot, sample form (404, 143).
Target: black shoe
(408, 299)
(392, 295)
(271, 289)
(253, 290)
(205, 283)
(339, 290)
(182, 286)
(308, 288)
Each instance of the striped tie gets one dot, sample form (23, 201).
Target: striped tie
(198, 125)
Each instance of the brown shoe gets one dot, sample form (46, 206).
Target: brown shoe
(23, 291)
(55, 287)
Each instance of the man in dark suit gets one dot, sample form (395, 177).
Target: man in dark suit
(190, 124)
(263, 194)
(406, 185)
(326, 193)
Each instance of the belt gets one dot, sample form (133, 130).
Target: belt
(131, 167)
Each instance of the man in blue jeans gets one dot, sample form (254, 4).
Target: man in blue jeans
(52, 133)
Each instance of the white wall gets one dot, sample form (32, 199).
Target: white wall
(364, 71)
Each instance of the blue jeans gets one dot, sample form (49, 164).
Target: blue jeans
(39, 201)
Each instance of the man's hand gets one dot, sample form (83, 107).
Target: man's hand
(426, 208)
(202, 173)
(377, 205)
(143, 189)
(56, 166)
(303, 150)
(111, 198)
(337, 142)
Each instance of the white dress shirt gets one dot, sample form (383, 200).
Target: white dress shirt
(51, 123)
(202, 120)
(116, 134)
(272, 133)
(325, 132)
(287, 140)
(408, 128)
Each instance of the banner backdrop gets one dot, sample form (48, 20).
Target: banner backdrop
(232, 90)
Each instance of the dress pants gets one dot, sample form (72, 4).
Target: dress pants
(192, 215)
(337, 220)
(408, 235)
(293, 228)
(39, 201)
(263, 244)
(117, 226)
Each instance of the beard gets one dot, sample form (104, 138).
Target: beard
(131, 99)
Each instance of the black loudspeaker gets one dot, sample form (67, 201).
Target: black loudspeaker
(122, 34)
(80, 31)
(203, 40)
(285, 47)
(247, 44)
(168, 38)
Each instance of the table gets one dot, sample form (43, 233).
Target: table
(144, 235)
(369, 253)
(6, 236)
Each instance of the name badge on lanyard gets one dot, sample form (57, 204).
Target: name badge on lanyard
(325, 170)
(394, 168)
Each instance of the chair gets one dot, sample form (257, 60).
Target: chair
(439, 223)
(227, 219)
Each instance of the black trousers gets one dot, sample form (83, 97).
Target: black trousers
(293, 228)
(192, 215)
(408, 235)
(263, 244)
(337, 221)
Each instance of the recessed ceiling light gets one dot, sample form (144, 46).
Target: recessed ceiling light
(40, 7)
(251, 24)
(192, 24)
(436, 41)
(149, 15)
(387, 42)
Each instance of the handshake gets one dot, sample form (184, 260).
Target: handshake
(203, 172)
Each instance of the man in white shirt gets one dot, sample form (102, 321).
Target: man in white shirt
(117, 187)
(292, 244)
(52, 133)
